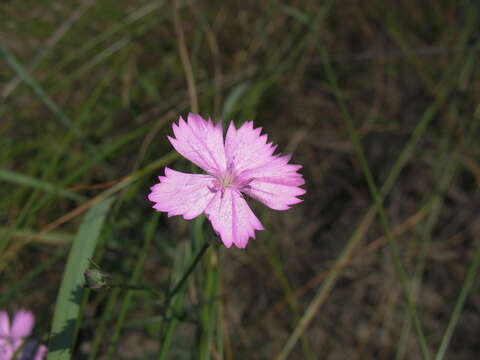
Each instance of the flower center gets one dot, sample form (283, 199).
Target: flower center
(228, 179)
(223, 181)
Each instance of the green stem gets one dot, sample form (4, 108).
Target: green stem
(148, 288)
(189, 271)
(175, 295)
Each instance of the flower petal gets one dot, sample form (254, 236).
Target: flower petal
(33, 351)
(201, 142)
(22, 324)
(276, 184)
(179, 193)
(232, 218)
(4, 324)
(6, 350)
(41, 352)
(245, 148)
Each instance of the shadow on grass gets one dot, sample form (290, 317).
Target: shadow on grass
(64, 340)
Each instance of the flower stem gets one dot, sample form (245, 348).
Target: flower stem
(167, 327)
(190, 269)
(178, 286)
(150, 289)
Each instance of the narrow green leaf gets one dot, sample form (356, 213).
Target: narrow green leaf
(20, 179)
(129, 296)
(14, 291)
(62, 337)
(457, 309)
(233, 98)
(52, 238)
(43, 96)
(296, 13)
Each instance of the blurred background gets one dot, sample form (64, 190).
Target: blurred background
(380, 260)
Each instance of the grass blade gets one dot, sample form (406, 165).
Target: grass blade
(378, 200)
(457, 310)
(14, 291)
(445, 87)
(43, 96)
(136, 275)
(20, 179)
(62, 336)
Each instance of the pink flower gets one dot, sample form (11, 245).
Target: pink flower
(12, 337)
(242, 164)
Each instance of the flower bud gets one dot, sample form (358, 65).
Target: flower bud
(96, 279)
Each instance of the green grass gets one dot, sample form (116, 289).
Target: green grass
(66, 315)
(378, 101)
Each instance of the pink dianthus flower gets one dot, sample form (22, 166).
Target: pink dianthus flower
(12, 337)
(241, 164)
